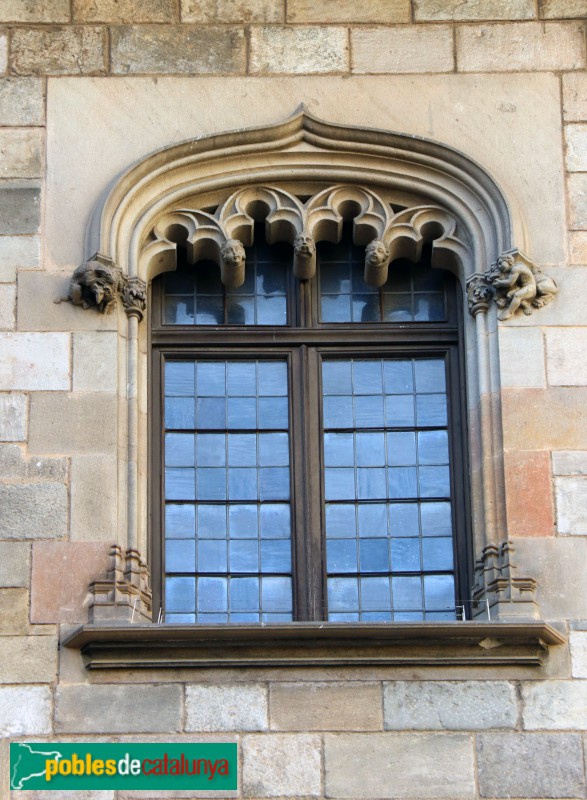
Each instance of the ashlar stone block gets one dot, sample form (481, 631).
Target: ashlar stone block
(14, 612)
(112, 708)
(527, 370)
(20, 212)
(34, 11)
(578, 248)
(449, 705)
(529, 765)
(347, 11)
(25, 710)
(571, 505)
(94, 498)
(326, 706)
(528, 485)
(71, 50)
(21, 150)
(530, 46)
(577, 185)
(95, 362)
(28, 659)
(21, 101)
(171, 49)
(569, 462)
(117, 11)
(278, 765)
(73, 423)
(576, 153)
(15, 466)
(15, 563)
(566, 364)
(575, 96)
(402, 49)
(299, 50)
(399, 766)
(34, 361)
(578, 642)
(430, 10)
(3, 52)
(33, 511)
(16, 252)
(240, 707)
(232, 11)
(13, 417)
(558, 418)
(562, 9)
(7, 306)
(555, 705)
(61, 576)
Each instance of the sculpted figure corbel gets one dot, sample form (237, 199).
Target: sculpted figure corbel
(519, 284)
(95, 284)
(376, 262)
(232, 263)
(304, 256)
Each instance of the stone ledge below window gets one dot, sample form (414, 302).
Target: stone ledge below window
(144, 646)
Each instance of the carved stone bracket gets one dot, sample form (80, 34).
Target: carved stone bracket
(125, 593)
(498, 592)
(98, 283)
(514, 282)
(220, 236)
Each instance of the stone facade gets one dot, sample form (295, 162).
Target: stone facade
(89, 88)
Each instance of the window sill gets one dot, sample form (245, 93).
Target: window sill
(149, 646)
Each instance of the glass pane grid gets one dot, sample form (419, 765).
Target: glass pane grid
(227, 488)
(389, 544)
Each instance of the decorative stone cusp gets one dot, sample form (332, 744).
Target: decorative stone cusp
(519, 284)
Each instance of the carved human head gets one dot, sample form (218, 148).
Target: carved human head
(232, 252)
(376, 253)
(304, 245)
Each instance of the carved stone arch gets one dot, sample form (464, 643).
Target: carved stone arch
(401, 190)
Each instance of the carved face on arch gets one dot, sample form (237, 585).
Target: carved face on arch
(232, 253)
(376, 253)
(304, 246)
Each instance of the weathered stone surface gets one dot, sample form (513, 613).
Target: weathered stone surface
(116, 11)
(528, 485)
(34, 361)
(168, 49)
(529, 765)
(231, 11)
(426, 10)
(571, 505)
(14, 612)
(28, 659)
(382, 11)
(14, 465)
(3, 52)
(575, 97)
(299, 50)
(88, 794)
(399, 766)
(118, 709)
(15, 252)
(553, 9)
(77, 423)
(21, 101)
(578, 248)
(577, 183)
(51, 316)
(13, 417)
(95, 362)
(557, 564)
(25, 710)
(325, 706)
(281, 765)
(520, 46)
(72, 50)
(576, 152)
(15, 563)
(7, 306)
(521, 357)
(569, 462)
(61, 576)
(557, 420)
(226, 708)
(578, 642)
(566, 364)
(21, 150)
(20, 212)
(34, 11)
(402, 49)
(94, 496)
(33, 511)
(555, 705)
(449, 705)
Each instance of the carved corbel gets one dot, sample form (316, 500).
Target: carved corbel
(499, 593)
(134, 296)
(96, 283)
(480, 293)
(519, 284)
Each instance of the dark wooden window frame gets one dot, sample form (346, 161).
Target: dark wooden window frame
(303, 342)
